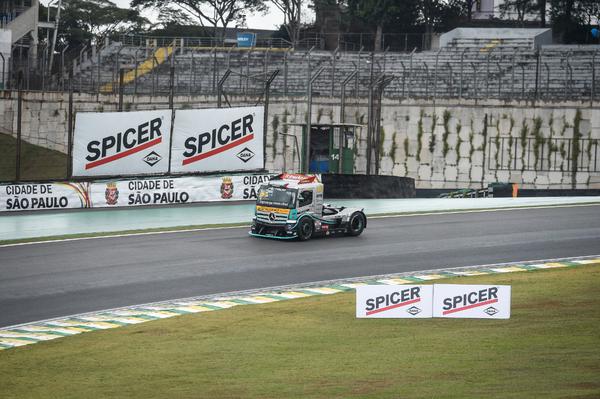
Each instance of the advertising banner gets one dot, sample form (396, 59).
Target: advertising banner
(215, 140)
(471, 301)
(177, 190)
(394, 301)
(41, 196)
(121, 143)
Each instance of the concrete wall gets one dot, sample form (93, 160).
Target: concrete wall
(441, 145)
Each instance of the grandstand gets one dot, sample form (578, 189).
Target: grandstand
(491, 66)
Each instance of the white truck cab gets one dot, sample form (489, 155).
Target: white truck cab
(291, 206)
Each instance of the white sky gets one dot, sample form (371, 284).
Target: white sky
(271, 20)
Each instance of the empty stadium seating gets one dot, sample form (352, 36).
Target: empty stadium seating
(468, 68)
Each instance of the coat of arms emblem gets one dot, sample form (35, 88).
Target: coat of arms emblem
(227, 188)
(111, 194)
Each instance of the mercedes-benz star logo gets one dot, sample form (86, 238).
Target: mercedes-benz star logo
(272, 216)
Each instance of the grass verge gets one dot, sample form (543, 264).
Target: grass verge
(316, 348)
(37, 163)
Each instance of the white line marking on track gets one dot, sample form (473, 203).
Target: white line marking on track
(376, 216)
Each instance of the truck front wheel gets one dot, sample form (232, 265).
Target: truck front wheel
(305, 229)
(356, 224)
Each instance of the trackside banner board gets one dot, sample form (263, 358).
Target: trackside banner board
(471, 301)
(42, 196)
(214, 140)
(177, 190)
(121, 143)
(394, 301)
(130, 192)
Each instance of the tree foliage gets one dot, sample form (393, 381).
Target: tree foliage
(519, 8)
(291, 10)
(208, 13)
(84, 21)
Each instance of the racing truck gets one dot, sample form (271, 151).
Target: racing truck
(291, 206)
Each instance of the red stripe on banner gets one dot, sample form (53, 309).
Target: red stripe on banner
(123, 154)
(216, 151)
(393, 306)
(470, 306)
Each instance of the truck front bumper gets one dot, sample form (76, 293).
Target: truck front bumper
(277, 231)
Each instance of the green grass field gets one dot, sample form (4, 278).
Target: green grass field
(37, 163)
(316, 348)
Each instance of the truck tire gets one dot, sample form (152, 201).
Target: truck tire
(356, 224)
(305, 229)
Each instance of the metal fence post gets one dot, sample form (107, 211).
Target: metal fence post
(333, 59)
(592, 88)
(343, 114)
(512, 87)
(172, 80)
(567, 66)
(523, 81)
(451, 88)
(3, 82)
(309, 117)
(547, 80)
(267, 90)
(426, 80)
(121, 76)
(62, 67)
(474, 80)
(98, 61)
(220, 87)
(537, 73)
(19, 122)
(403, 78)
(285, 74)
(435, 74)
(487, 73)
(460, 87)
(410, 73)
(192, 74)
(70, 128)
(370, 118)
(499, 79)
(356, 82)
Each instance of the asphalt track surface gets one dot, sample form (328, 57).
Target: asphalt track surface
(46, 280)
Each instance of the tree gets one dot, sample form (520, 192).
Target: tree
(84, 21)
(213, 13)
(468, 6)
(519, 7)
(379, 13)
(291, 10)
(591, 11)
(542, 11)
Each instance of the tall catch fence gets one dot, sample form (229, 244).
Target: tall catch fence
(157, 70)
(505, 71)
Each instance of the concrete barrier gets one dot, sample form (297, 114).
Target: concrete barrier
(368, 186)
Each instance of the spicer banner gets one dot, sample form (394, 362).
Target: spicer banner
(394, 301)
(41, 196)
(131, 192)
(214, 140)
(121, 143)
(471, 301)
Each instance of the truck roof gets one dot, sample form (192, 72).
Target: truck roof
(295, 180)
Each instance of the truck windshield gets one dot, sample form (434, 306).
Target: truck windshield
(276, 196)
